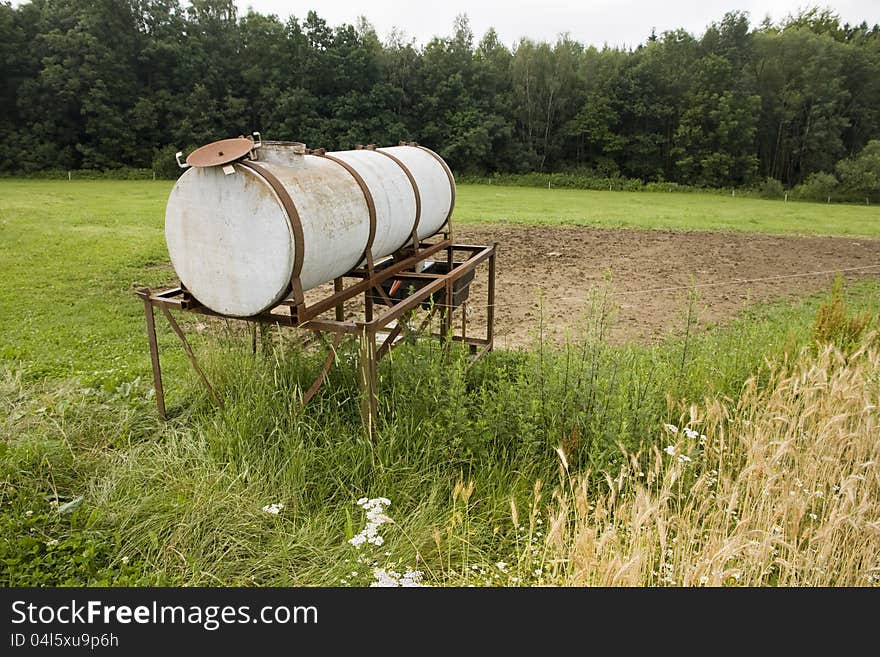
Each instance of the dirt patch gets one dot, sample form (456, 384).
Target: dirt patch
(568, 263)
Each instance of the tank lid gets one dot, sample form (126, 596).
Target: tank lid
(220, 152)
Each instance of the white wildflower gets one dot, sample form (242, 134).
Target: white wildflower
(671, 427)
(670, 449)
(690, 433)
(274, 509)
(52, 542)
(390, 578)
(411, 578)
(682, 458)
(375, 518)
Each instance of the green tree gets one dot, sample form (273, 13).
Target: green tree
(107, 83)
(715, 141)
(800, 77)
(545, 97)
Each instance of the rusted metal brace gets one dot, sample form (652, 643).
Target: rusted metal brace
(412, 181)
(189, 354)
(449, 175)
(388, 344)
(325, 369)
(371, 209)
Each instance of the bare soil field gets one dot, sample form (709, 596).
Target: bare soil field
(563, 266)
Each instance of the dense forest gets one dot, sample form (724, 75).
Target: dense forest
(100, 84)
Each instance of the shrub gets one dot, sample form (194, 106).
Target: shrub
(818, 186)
(122, 173)
(770, 188)
(164, 163)
(582, 179)
(860, 175)
(834, 325)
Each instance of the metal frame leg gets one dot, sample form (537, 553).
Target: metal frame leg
(369, 384)
(490, 310)
(154, 356)
(368, 305)
(340, 308)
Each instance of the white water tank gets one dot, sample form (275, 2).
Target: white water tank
(229, 230)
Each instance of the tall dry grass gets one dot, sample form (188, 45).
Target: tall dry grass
(779, 487)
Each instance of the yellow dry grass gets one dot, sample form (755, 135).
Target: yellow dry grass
(779, 487)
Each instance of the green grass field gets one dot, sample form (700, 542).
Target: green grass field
(72, 253)
(180, 503)
(672, 211)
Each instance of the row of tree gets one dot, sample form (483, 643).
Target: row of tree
(109, 83)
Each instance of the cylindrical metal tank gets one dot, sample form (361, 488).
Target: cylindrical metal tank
(234, 244)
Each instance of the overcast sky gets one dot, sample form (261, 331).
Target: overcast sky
(615, 22)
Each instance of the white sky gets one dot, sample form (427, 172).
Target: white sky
(615, 22)
(597, 22)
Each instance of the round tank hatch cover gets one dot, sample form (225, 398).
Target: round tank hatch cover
(220, 152)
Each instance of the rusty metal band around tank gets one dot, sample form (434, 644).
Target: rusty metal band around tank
(371, 208)
(448, 175)
(368, 197)
(295, 225)
(412, 181)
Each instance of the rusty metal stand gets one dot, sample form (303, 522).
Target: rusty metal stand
(399, 271)
(154, 354)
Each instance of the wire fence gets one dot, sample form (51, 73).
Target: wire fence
(681, 288)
